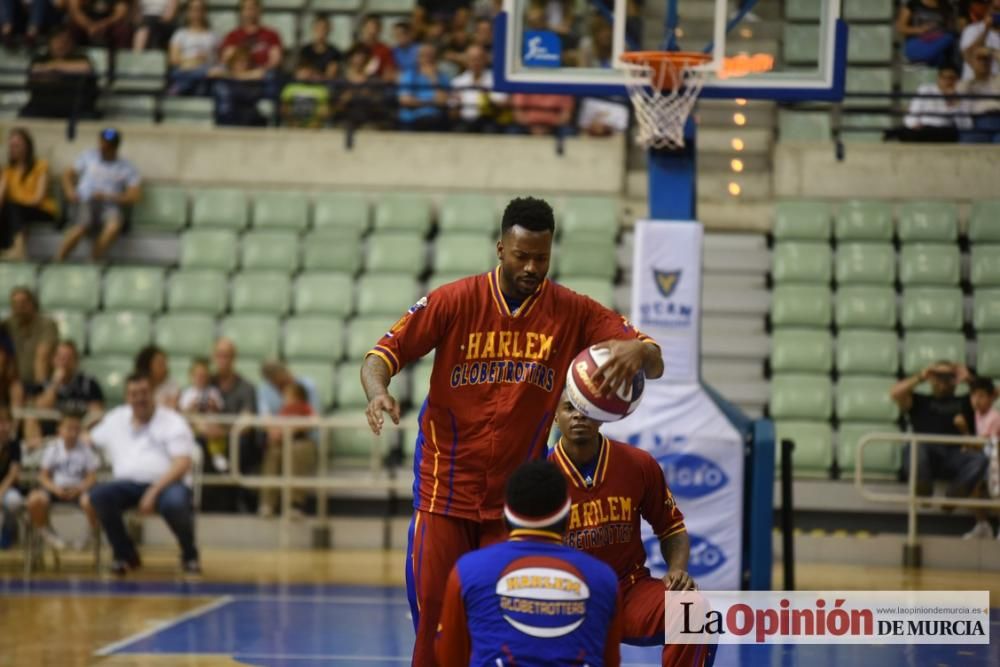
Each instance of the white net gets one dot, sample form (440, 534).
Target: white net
(663, 98)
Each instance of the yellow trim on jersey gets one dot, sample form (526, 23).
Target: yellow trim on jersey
(384, 358)
(521, 533)
(413, 558)
(670, 533)
(535, 298)
(437, 454)
(494, 281)
(526, 306)
(600, 470)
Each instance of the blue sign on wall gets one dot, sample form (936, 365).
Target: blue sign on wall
(542, 48)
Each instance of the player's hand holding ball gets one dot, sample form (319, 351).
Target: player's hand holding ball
(679, 580)
(605, 382)
(378, 405)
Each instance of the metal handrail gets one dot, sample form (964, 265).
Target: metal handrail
(910, 498)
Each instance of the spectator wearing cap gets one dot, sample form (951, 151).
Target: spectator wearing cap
(151, 449)
(33, 336)
(102, 186)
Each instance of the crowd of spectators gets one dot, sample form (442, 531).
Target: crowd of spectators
(962, 40)
(435, 75)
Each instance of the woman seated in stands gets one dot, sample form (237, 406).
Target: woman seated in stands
(928, 26)
(193, 51)
(156, 24)
(24, 193)
(101, 22)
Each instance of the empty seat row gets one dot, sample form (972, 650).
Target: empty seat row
(815, 452)
(861, 220)
(868, 45)
(920, 264)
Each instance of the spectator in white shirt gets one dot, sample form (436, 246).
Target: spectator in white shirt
(193, 52)
(150, 449)
(934, 108)
(475, 107)
(979, 33)
(984, 112)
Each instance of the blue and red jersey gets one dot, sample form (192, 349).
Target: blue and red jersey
(495, 384)
(530, 601)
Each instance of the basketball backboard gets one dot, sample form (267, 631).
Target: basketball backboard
(573, 46)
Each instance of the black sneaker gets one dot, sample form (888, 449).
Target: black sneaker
(120, 568)
(191, 567)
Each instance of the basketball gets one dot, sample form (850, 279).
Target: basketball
(582, 388)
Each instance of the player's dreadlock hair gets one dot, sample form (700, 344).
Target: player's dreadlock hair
(536, 498)
(532, 214)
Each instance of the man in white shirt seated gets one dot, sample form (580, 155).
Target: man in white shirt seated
(934, 109)
(150, 449)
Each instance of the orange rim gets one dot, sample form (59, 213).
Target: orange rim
(666, 65)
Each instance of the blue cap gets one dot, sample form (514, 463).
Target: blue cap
(111, 134)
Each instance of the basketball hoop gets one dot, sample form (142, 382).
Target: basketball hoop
(663, 87)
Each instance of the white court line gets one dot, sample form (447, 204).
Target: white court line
(159, 627)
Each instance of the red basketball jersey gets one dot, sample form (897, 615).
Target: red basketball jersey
(495, 384)
(628, 484)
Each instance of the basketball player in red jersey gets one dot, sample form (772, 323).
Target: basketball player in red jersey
(612, 485)
(503, 342)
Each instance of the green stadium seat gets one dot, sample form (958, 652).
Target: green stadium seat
(802, 221)
(929, 264)
(209, 249)
(17, 274)
(865, 127)
(142, 71)
(439, 279)
(197, 291)
(402, 253)
(800, 44)
(870, 45)
(192, 111)
(256, 336)
(924, 348)
(14, 72)
(804, 126)
(469, 213)
(985, 271)
(800, 305)
(110, 372)
(387, 295)
(866, 307)
(320, 374)
(222, 207)
(988, 355)
(185, 334)
(119, 332)
(864, 221)
(286, 25)
(866, 399)
(863, 352)
(269, 251)
(986, 310)
(801, 351)
(313, 338)
(868, 10)
(331, 251)
(803, 10)
(364, 332)
(463, 253)
(223, 22)
(343, 212)
(179, 369)
(881, 459)
(984, 221)
(420, 381)
(100, 59)
(403, 212)
(933, 308)
(70, 286)
(801, 262)
(390, 6)
(134, 288)
(585, 260)
(249, 369)
(265, 292)
(868, 81)
(597, 216)
(915, 76)
(601, 291)
(281, 210)
(866, 264)
(161, 208)
(72, 326)
(324, 294)
(128, 108)
(800, 396)
(350, 393)
(928, 222)
(813, 453)
(336, 6)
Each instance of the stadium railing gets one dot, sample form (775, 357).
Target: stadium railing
(911, 547)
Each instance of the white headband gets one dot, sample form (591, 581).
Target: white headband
(543, 522)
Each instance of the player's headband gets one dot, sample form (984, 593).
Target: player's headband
(536, 522)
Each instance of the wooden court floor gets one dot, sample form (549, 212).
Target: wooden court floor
(60, 626)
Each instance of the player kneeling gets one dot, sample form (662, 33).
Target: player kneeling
(530, 600)
(612, 485)
(68, 470)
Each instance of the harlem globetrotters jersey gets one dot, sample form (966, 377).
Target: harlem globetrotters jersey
(495, 384)
(604, 520)
(530, 602)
